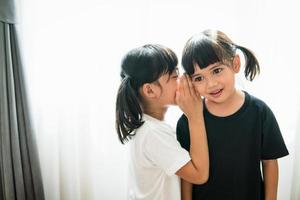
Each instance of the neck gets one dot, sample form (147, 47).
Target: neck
(228, 107)
(158, 113)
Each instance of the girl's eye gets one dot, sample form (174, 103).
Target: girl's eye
(199, 78)
(217, 70)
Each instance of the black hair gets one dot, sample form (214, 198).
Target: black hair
(213, 46)
(141, 65)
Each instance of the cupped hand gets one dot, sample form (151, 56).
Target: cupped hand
(188, 99)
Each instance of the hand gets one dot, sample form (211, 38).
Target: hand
(188, 99)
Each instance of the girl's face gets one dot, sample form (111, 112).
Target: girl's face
(168, 85)
(216, 82)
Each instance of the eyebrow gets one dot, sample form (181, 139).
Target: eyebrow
(216, 65)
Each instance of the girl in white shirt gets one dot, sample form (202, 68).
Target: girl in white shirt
(149, 85)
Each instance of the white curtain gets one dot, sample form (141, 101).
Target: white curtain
(73, 55)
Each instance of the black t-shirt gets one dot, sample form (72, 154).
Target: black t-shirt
(237, 143)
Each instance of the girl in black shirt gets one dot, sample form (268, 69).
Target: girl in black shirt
(242, 131)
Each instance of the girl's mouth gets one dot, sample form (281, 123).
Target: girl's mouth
(216, 93)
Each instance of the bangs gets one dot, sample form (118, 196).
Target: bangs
(204, 52)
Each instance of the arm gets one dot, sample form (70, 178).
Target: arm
(186, 190)
(270, 173)
(195, 171)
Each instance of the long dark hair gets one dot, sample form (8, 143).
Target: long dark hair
(141, 65)
(213, 46)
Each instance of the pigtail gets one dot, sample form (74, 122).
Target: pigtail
(251, 63)
(128, 111)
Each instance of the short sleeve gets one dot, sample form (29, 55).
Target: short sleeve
(273, 145)
(182, 133)
(164, 151)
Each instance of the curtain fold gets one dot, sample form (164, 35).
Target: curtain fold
(19, 164)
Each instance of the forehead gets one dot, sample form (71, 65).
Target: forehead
(198, 70)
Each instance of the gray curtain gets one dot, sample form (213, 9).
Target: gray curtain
(20, 174)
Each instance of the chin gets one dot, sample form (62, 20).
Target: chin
(173, 103)
(169, 104)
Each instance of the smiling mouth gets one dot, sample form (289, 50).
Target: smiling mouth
(216, 93)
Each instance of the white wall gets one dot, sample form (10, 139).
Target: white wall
(72, 54)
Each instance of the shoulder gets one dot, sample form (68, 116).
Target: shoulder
(151, 137)
(157, 137)
(182, 124)
(257, 102)
(182, 120)
(182, 132)
(259, 105)
(153, 130)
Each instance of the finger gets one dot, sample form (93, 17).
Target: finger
(191, 86)
(182, 85)
(186, 85)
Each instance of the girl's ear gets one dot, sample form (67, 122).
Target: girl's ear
(150, 90)
(236, 63)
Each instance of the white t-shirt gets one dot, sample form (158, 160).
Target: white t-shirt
(155, 157)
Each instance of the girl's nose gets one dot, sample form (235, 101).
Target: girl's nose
(211, 82)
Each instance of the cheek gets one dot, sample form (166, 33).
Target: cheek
(170, 91)
(175, 86)
(199, 88)
(230, 81)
